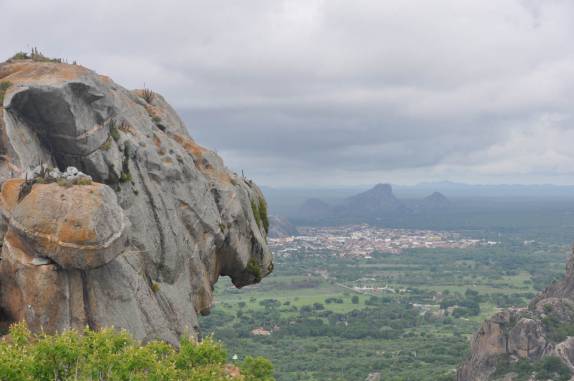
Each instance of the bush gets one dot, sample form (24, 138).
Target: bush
(257, 369)
(548, 368)
(115, 356)
(3, 87)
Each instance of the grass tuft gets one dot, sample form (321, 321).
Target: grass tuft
(4, 86)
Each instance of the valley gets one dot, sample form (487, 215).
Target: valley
(407, 316)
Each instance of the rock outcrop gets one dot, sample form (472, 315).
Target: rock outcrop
(138, 241)
(535, 333)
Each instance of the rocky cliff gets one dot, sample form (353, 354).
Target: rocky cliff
(137, 236)
(523, 343)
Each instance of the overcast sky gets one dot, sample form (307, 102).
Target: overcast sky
(331, 93)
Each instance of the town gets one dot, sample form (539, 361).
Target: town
(364, 240)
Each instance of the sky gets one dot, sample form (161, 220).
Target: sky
(331, 93)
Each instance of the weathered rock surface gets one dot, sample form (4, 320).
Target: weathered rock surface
(142, 245)
(528, 333)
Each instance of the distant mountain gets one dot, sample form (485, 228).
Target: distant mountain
(435, 202)
(280, 227)
(378, 201)
(376, 205)
(314, 208)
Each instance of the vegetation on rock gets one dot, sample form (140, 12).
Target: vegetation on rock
(147, 95)
(254, 269)
(3, 87)
(259, 209)
(548, 368)
(34, 55)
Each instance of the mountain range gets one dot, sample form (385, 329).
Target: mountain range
(376, 204)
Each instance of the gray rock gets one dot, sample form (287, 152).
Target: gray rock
(191, 220)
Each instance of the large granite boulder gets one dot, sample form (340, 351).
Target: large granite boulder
(142, 243)
(524, 334)
(80, 227)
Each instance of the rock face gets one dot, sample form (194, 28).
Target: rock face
(531, 333)
(140, 243)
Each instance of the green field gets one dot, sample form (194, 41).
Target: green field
(410, 321)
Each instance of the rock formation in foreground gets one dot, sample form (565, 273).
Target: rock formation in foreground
(517, 343)
(137, 236)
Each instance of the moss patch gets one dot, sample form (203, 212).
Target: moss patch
(254, 269)
(259, 210)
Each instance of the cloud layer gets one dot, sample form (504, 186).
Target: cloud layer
(317, 92)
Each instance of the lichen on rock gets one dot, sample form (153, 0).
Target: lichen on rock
(111, 217)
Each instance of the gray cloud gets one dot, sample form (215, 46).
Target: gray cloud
(317, 92)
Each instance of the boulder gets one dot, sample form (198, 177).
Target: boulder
(78, 227)
(139, 242)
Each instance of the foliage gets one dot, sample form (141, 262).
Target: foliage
(20, 56)
(3, 87)
(257, 368)
(34, 55)
(557, 329)
(107, 144)
(115, 356)
(68, 183)
(125, 177)
(259, 210)
(114, 133)
(263, 215)
(399, 331)
(548, 368)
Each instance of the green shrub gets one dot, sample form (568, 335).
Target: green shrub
(548, 368)
(20, 56)
(3, 87)
(115, 356)
(125, 177)
(257, 369)
(114, 133)
(557, 329)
